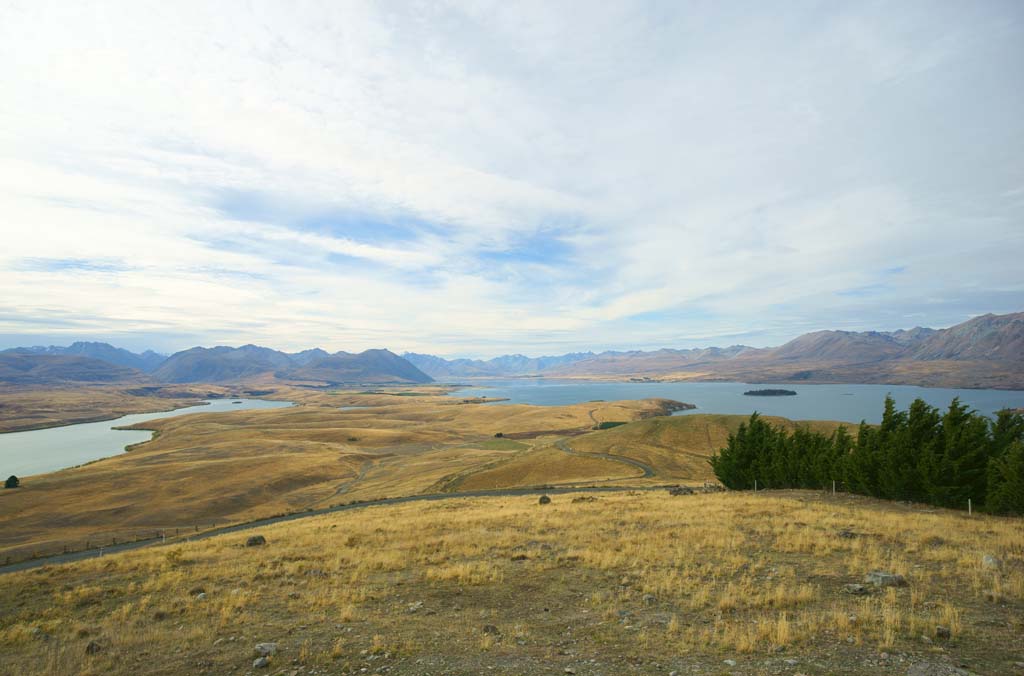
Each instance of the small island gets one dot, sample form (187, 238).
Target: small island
(770, 393)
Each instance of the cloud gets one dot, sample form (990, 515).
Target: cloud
(482, 177)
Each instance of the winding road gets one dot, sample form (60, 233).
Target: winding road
(648, 471)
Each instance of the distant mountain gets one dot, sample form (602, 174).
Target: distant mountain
(146, 362)
(989, 337)
(371, 366)
(506, 365)
(220, 364)
(986, 351)
(20, 368)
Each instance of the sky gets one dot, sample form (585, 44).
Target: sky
(480, 178)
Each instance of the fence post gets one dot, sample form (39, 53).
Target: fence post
(970, 511)
(833, 486)
(755, 485)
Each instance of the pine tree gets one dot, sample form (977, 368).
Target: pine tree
(1006, 481)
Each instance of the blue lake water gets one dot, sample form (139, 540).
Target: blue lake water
(851, 403)
(47, 450)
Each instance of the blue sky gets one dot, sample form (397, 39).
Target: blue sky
(472, 179)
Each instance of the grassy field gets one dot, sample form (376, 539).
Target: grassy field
(206, 469)
(631, 582)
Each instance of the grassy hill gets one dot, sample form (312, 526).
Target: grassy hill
(675, 449)
(630, 582)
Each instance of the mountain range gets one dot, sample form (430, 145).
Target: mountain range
(986, 351)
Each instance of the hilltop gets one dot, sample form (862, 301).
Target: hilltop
(592, 584)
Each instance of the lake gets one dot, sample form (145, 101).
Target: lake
(851, 403)
(47, 450)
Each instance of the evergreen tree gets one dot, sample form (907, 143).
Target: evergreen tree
(1006, 481)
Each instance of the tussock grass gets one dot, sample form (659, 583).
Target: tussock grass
(633, 579)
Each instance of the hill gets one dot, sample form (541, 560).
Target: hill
(593, 583)
(17, 368)
(145, 362)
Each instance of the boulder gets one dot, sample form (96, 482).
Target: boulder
(260, 663)
(882, 579)
(265, 649)
(255, 541)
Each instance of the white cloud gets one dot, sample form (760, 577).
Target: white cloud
(489, 177)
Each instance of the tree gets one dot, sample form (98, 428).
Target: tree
(12, 482)
(1006, 481)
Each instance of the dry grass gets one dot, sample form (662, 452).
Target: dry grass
(218, 468)
(641, 583)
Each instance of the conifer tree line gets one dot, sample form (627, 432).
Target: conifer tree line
(921, 454)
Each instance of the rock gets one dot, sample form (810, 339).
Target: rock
(855, 589)
(935, 669)
(544, 500)
(265, 649)
(569, 670)
(201, 596)
(93, 648)
(219, 641)
(943, 632)
(991, 562)
(260, 663)
(883, 579)
(846, 534)
(413, 607)
(650, 599)
(255, 541)
(491, 629)
(680, 490)
(729, 663)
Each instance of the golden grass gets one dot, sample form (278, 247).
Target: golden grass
(642, 576)
(205, 469)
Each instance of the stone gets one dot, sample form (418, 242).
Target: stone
(855, 589)
(201, 596)
(935, 669)
(265, 649)
(93, 648)
(882, 579)
(847, 534)
(943, 633)
(260, 663)
(413, 607)
(650, 599)
(255, 541)
(729, 663)
(569, 670)
(991, 562)
(491, 629)
(544, 500)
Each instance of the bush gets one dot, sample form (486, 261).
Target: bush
(12, 482)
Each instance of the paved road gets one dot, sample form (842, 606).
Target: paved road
(92, 553)
(648, 471)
